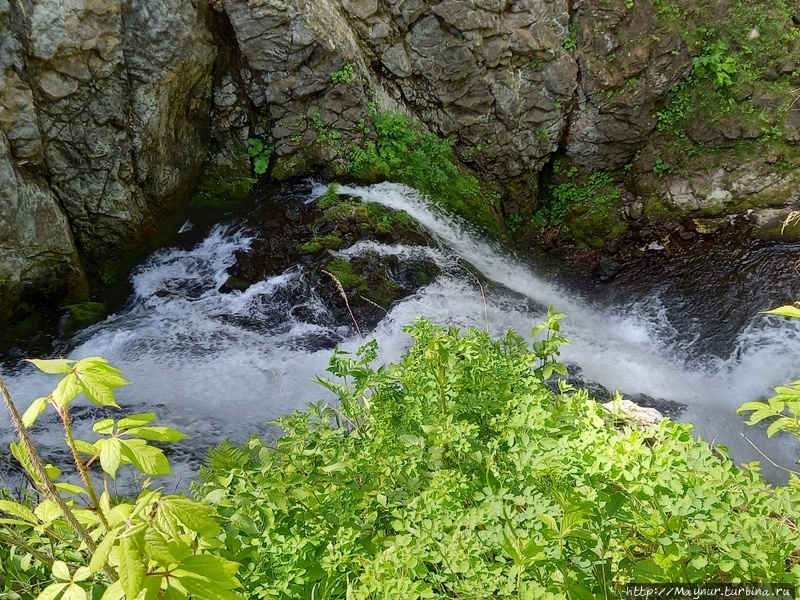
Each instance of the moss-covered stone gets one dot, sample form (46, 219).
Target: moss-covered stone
(85, 313)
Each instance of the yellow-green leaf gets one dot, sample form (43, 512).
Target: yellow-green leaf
(66, 390)
(110, 455)
(36, 408)
(136, 420)
(100, 556)
(18, 510)
(132, 569)
(54, 366)
(785, 311)
(61, 571)
(52, 591)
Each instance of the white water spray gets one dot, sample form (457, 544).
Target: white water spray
(222, 364)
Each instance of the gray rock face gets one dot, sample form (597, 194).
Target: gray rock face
(621, 84)
(104, 107)
(39, 261)
(491, 76)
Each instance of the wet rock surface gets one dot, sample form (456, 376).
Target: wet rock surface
(347, 250)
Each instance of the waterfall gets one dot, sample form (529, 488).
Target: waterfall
(221, 365)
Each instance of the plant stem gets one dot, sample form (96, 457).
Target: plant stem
(83, 470)
(22, 545)
(42, 479)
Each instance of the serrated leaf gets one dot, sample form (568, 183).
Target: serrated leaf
(191, 514)
(148, 459)
(100, 556)
(52, 591)
(106, 427)
(549, 521)
(136, 420)
(36, 408)
(752, 406)
(95, 390)
(54, 366)
(18, 510)
(71, 488)
(157, 548)
(131, 568)
(85, 447)
(66, 390)
(157, 434)
(213, 568)
(778, 425)
(110, 456)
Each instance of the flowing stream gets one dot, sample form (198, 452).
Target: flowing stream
(221, 365)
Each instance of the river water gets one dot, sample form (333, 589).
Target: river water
(219, 365)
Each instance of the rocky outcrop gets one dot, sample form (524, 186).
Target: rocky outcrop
(104, 105)
(39, 261)
(628, 65)
(491, 75)
(765, 196)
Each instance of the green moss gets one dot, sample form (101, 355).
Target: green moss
(402, 151)
(318, 244)
(343, 271)
(86, 312)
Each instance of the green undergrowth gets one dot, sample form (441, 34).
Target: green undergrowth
(457, 473)
(401, 151)
(745, 72)
(583, 206)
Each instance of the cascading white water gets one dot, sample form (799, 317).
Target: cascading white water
(221, 365)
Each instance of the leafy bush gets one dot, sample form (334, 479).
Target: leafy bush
(69, 542)
(457, 473)
(424, 161)
(260, 152)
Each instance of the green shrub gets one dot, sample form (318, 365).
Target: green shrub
(260, 152)
(424, 161)
(457, 473)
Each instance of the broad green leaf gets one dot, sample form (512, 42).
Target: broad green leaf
(131, 568)
(106, 427)
(18, 510)
(85, 447)
(157, 434)
(337, 467)
(71, 488)
(173, 593)
(148, 459)
(36, 408)
(191, 514)
(699, 562)
(52, 591)
(47, 511)
(114, 592)
(244, 523)
(752, 406)
(549, 521)
(61, 571)
(95, 390)
(157, 548)
(100, 556)
(54, 366)
(66, 391)
(74, 592)
(136, 420)
(214, 568)
(110, 455)
(785, 311)
(201, 589)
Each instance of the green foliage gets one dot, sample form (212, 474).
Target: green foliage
(598, 193)
(660, 168)
(457, 473)
(260, 152)
(330, 197)
(86, 312)
(345, 75)
(70, 542)
(571, 38)
(401, 152)
(784, 407)
(717, 64)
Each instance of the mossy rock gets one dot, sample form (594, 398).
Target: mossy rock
(85, 313)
